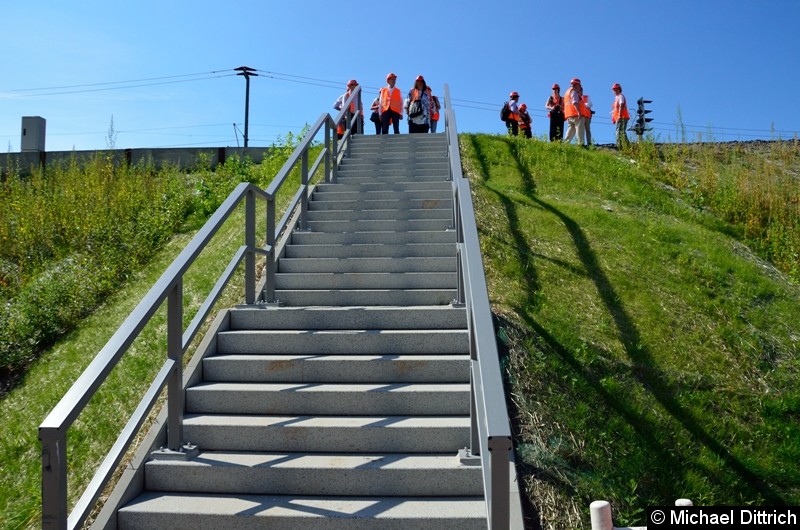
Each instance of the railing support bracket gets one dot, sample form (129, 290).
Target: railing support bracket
(187, 452)
(466, 458)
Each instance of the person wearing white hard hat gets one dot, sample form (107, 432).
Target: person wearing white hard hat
(572, 111)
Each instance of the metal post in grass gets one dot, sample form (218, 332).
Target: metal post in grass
(328, 166)
(175, 381)
(269, 286)
(304, 187)
(54, 478)
(250, 243)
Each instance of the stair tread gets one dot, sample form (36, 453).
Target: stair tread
(304, 387)
(354, 422)
(297, 460)
(259, 507)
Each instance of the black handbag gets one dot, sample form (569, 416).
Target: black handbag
(415, 109)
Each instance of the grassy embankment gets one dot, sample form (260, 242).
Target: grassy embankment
(42, 377)
(651, 354)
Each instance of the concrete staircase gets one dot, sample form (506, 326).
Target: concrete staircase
(347, 406)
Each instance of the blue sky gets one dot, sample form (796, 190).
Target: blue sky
(730, 67)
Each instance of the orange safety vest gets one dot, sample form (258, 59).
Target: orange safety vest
(585, 111)
(391, 99)
(434, 107)
(619, 110)
(570, 110)
(511, 114)
(524, 120)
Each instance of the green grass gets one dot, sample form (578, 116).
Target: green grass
(47, 378)
(650, 354)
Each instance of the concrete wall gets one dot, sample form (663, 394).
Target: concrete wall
(183, 158)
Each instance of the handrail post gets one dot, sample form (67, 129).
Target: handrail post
(250, 242)
(269, 286)
(175, 353)
(500, 496)
(329, 176)
(335, 142)
(304, 185)
(54, 478)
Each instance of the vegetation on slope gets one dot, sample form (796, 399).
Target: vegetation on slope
(650, 354)
(42, 382)
(70, 234)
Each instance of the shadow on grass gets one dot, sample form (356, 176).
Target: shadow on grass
(645, 368)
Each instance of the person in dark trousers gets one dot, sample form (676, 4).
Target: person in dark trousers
(513, 118)
(391, 105)
(375, 117)
(555, 106)
(418, 107)
(525, 121)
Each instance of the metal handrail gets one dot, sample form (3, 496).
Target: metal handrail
(490, 432)
(169, 287)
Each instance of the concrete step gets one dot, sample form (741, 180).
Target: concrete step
(381, 225)
(316, 318)
(366, 280)
(373, 297)
(368, 250)
(382, 195)
(378, 215)
(334, 474)
(319, 434)
(308, 265)
(388, 237)
(424, 154)
(404, 172)
(168, 511)
(351, 342)
(390, 179)
(386, 186)
(390, 204)
(310, 368)
(363, 399)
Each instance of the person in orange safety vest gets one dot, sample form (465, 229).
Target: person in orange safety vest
(572, 111)
(620, 115)
(525, 121)
(435, 107)
(513, 118)
(391, 105)
(342, 125)
(586, 112)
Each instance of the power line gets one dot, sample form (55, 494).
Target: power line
(107, 88)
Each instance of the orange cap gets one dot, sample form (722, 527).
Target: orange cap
(575, 81)
(391, 75)
(352, 82)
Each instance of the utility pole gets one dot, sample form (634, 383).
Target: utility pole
(246, 71)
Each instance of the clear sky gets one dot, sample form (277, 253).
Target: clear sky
(163, 69)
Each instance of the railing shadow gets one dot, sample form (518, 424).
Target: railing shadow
(645, 368)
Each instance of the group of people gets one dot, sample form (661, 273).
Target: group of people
(420, 106)
(573, 108)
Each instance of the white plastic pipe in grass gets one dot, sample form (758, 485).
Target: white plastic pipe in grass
(600, 515)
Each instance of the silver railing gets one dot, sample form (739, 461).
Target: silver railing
(54, 429)
(490, 432)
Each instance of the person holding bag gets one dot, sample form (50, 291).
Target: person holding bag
(418, 107)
